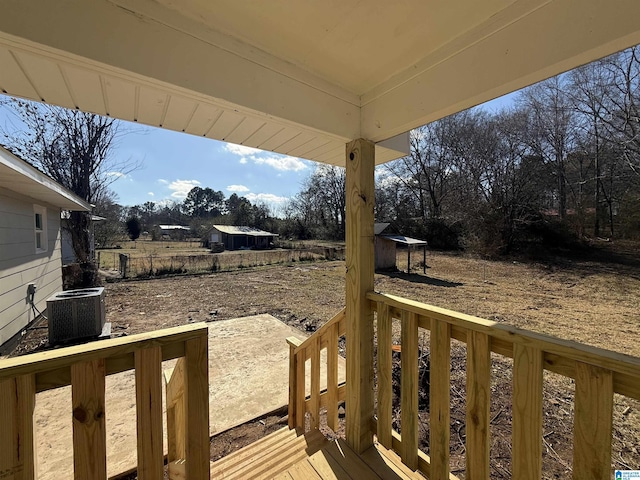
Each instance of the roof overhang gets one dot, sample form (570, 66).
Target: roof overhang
(20, 177)
(298, 78)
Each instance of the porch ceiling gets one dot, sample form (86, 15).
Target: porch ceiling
(299, 78)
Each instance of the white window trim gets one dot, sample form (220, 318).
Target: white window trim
(42, 232)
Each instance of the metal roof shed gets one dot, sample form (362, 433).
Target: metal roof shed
(385, 249)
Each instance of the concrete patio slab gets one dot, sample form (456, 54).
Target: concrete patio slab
(248, 377)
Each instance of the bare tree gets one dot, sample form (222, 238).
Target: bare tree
(553, 134)
(72, 147)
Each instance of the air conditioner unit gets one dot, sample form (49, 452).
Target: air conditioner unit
(75, 314)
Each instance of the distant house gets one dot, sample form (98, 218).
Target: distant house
(386, 246)
(31, 204)
(68, 254)
(173, 232)
(237, 237)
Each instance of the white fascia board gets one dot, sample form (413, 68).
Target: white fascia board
(556, 37)
(102, 35)
(40, 186)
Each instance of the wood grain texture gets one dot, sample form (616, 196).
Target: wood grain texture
(315, 384)
(301, 408)
(439, 397)
(292, 386)
(176, 434)
(332, 377)
(592, 422)
(197, 407)
(527, 413)
(17, 447)
(409, 390)
(360, 196)
(385, 386)
(478, 390)
(118, 348)
(149, 413)
(89, 432)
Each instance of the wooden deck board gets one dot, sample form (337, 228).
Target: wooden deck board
(285, 456)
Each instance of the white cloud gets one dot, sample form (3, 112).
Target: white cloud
(268, 198)
(116, 174)
(260, 157)
(241, 150)
(151, 194)
(181, 188)
(237, 188)
(283, 163)
(163, 181)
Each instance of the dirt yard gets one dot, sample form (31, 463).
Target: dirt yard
(594, 300)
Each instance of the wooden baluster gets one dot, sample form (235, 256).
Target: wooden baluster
(174, 380)
(197, 408)
(89, 432)
(478, 389)
(292, 382)
(301, 391)
(385, 366)
(17, 447)
(439, 397)
(148, 367)
(332, 377)
(315, 384)
(527, 413)
(593, 422)
(409, 390)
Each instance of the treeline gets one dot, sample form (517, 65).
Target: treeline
(560, 165)
(201, 208)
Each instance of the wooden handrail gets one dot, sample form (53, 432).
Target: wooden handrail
(85, 367)
(598, 374)
(557, 352)
(299, 352)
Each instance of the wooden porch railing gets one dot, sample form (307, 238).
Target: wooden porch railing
(326, 337)
(598, 375)
(84, 367)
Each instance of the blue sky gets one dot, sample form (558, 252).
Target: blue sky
(173, 163)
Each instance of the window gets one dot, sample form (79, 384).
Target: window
(40, 228)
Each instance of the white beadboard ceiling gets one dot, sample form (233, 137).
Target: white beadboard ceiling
(294, 77)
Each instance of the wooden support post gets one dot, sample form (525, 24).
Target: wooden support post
(332, 378)
(89, 430)
(148, 364)
(439, 407)
(424, 259)
(385, 382)
(17, 447)
(360, 163)
(593, 422)
(409, 390)
(527, 412)
(478, 390)
(197, 408)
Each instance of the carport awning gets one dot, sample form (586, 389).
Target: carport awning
(405, 240)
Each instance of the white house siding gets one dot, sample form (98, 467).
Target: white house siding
(20, 265)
